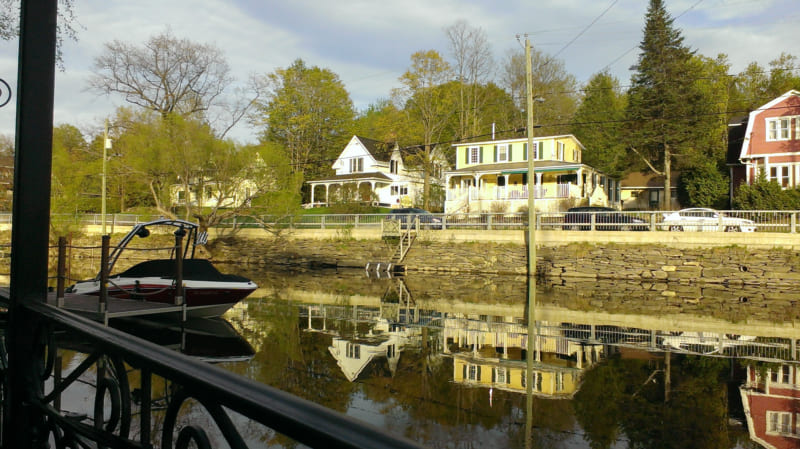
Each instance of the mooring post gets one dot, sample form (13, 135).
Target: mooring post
(62, 264)
(179, 267)
(101, 307)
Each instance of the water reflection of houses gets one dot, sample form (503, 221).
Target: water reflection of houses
(771, 400)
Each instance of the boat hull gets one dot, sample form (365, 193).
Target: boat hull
(203, 298)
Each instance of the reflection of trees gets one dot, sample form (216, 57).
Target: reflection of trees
(622, 395)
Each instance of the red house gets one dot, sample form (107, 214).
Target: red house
(771, 403)
(767, 141)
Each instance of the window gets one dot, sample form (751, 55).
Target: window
(399, 190)
(353, 351)
(780, 174)
(501, 376)
(393, 166)
(781, 375)
(502, 153)
(357, 165)
(576, 156)
(778, 128)
(474, 155)
(560, 151)
(779, 422)
(559, 381)
(474, 372)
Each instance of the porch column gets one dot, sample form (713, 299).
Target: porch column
(538, 185)
(327, 194)
(312, 194)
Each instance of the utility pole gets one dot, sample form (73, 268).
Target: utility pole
(531, 165)
(532, 334)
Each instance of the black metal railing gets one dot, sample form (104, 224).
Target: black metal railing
(118, 374)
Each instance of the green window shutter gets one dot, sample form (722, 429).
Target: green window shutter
(495, 153)
(480, 155)
(509, 152)
(524, 151)
(466, 155)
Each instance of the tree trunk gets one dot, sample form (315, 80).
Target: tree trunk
(667, 202)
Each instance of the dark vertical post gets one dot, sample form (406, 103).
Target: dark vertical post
(24, 425)
(144, 416)
(179, 266)
(62, 267)
(103, 299)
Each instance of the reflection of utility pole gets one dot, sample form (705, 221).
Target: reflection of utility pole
(667, 375)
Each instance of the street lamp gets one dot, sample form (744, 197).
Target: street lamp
(106, 147)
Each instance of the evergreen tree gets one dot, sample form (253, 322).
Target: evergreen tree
(663, 101)
(598, 125)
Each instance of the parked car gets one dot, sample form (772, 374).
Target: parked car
(407, 215)
(605, 218)
(704, 219)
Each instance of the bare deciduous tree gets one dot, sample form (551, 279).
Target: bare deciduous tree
(472, 67)
(169, 75)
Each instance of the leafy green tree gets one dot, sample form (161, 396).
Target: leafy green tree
(76, 173)
(6, 171)
(598, 125)
(382, 121)
(757, 85)
(663, 98)
(703, 185)
(308, 112)
(428, 101)
(185, 165)
(765, 195)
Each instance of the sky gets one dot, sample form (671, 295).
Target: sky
(368, 44)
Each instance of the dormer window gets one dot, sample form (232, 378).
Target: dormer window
(357, 165)
(778, 128)
(393, 166)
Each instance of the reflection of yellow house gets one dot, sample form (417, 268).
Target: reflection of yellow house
(548, 380)
(492, 176)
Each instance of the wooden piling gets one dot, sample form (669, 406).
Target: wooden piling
(60, 276)
(102, 300)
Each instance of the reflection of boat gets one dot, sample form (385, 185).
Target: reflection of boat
(207, 291)
(208, 339)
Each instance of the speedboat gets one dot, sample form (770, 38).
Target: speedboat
(206, 291)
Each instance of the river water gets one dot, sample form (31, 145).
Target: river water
(470, 361)
(462, 361)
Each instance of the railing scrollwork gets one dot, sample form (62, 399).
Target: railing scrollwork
(115, 373)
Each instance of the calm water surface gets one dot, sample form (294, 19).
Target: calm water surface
(462, 362)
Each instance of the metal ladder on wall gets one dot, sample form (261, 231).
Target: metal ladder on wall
(391, 230)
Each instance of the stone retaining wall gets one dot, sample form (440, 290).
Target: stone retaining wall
(657, 263)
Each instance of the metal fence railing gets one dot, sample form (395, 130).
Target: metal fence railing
(702, 220)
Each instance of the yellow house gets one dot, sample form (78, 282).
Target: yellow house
(492, 176)
(547, 380)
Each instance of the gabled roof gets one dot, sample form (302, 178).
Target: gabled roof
(647, 180)
(381, 151)
(759, 110)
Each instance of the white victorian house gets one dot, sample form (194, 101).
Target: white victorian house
(371, 171)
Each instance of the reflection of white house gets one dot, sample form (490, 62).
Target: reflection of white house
(377, 172)
(355, 354)
(492, 176)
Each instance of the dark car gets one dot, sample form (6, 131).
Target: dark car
(605, 218)
(407, 215)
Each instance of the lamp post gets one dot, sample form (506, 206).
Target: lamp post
(106, 147)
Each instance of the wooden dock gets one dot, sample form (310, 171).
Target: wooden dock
(89, 306)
